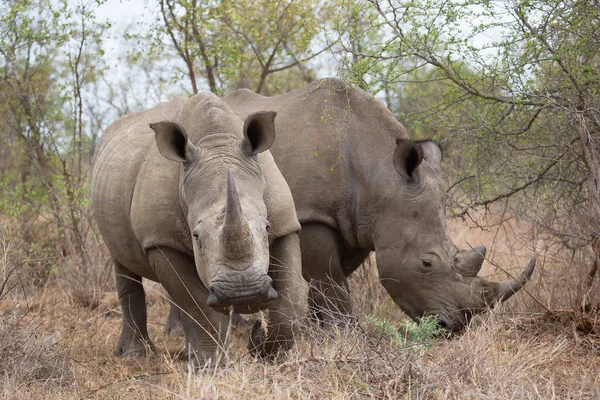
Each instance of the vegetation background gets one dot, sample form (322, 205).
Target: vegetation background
(510, 89)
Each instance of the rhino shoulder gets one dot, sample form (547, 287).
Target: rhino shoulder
(138, 122)
(242, 95)
(278, 199)
(244, 102)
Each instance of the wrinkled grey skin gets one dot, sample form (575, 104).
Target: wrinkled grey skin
(182, 196)
(360, 185)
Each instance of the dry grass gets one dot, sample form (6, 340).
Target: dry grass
(55, 344)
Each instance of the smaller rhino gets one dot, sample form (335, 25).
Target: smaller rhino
(186, 194)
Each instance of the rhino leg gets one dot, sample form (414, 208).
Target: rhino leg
(204, 328)
(173, 326)
(352, 260)
(329, 298)
(289, 309)
(134, 338)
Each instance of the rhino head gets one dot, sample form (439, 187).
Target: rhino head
(418, 263)
(221, 193)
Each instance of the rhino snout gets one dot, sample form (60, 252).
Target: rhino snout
(244, 297)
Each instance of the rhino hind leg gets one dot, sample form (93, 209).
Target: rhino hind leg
(204, 327)
(288, 311)
(174, 326)
(329, 297)
(134, 338)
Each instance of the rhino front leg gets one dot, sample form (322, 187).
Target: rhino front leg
(329, 298)
(134, 338)
(204, 328)
(289, 309)
(174, 326)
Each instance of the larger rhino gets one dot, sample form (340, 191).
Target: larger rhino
(187, 194)
(360, 185)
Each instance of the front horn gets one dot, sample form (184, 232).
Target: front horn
(236, 236)
(508, 288)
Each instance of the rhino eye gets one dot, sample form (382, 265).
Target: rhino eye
(268, 227)
(196, 237)
(426, 263)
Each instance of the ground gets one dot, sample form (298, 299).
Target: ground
(58, 342)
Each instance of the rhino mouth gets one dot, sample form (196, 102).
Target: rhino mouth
(450, 323)
(225, 295)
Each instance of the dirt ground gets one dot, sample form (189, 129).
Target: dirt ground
(57, 344)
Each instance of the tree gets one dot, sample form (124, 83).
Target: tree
(49, 53)
(226, 45)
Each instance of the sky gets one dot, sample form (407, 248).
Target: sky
(123, 14)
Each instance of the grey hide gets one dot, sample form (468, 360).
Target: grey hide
(187, 194)
(360, 185)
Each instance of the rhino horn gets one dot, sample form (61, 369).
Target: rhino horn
(236, 237)
(508, 288)
(469, 262)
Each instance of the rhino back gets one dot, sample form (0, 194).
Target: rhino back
(331, 140)
(135, 189)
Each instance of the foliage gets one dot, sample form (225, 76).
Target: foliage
(49, 53)
(225, 45)
(424, 332)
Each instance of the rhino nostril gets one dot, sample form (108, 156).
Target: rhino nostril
(212, 300)
(268, 280)
(225, 293)
(272, 294)
(442, 324)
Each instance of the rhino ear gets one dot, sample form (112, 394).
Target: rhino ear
(172, 141)
(259, 131)
(432, 152)
(407, 157)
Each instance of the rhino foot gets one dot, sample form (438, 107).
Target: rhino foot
(201, 362)
(267, 348)
(135, 348)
